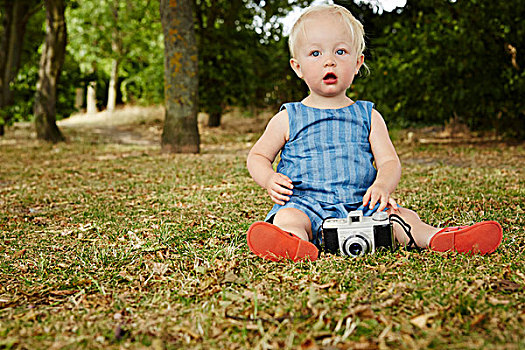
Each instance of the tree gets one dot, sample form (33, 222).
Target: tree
(53, 53)
(180, 134)
(91, 26)
(118, 45)
(437, 61)
(15, 15)
(232, 37)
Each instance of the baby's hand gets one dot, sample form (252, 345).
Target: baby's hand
(377, 193)
(279, 188)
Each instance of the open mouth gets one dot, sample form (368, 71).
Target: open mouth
(330, 77)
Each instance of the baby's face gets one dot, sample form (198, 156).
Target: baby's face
(325, 55)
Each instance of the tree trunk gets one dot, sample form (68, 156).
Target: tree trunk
(79, 98)
(91, 98)
(116, 46)
(112, 90)
(53, 53)
(15, 17)
(181, 133)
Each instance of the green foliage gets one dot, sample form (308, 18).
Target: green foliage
(276, 81)
(241, 52)
(142, 68)
(71, 78)
(431, 62)
(24, 84)
(143, 83)
(24, 88)
(440, 60)
(101, 31)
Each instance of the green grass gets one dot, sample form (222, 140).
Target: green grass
(105, 245)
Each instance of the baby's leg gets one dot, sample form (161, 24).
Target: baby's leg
(286, 238)
(421, 231)
(294, 221)
(482, 238)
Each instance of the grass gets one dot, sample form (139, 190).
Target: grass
(111, 244)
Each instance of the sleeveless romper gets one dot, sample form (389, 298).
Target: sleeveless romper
(329, 159)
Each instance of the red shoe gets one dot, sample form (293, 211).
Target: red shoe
(270, 242)
(480, 238)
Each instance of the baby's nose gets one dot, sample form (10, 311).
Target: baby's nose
(330, 62)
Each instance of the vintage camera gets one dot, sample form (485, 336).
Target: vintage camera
(357, 234)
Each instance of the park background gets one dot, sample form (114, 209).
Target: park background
(431, 62)
(107, 242)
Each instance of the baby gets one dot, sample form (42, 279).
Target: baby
(336, 154)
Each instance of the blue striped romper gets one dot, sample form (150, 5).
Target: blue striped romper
(329, 159)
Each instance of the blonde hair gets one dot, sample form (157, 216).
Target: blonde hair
(354, 26)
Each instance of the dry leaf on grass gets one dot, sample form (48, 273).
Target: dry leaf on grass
(159, 268)
(506, 286)
(232, 278)
(325, 285)
(309, 344)
(360, 345)
(63, 292)
(363, 311)
(125, 276)
(251, 295)
(477, 320)
(496, 301)
(19, 254)
(394, 300)
(422, 320)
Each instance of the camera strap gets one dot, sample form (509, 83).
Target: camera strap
(407, 228)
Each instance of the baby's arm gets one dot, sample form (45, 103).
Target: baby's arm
(263, 154)
(387, 164)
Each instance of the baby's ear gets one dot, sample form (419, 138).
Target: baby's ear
(296, 67)
(360, 61)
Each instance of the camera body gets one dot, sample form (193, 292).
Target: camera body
(358, 234)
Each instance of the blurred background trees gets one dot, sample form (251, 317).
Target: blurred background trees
(243, 57)
(441, 61)
(431, 62)
(15, 16)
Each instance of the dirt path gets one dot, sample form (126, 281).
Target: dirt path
(142, 126)
(131, 125)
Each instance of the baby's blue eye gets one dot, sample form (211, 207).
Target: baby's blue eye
(340, 52)
(315, 53)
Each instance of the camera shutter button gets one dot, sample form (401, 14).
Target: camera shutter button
(380, 216)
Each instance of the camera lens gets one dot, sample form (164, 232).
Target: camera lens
(356, 245)
(355, 249)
